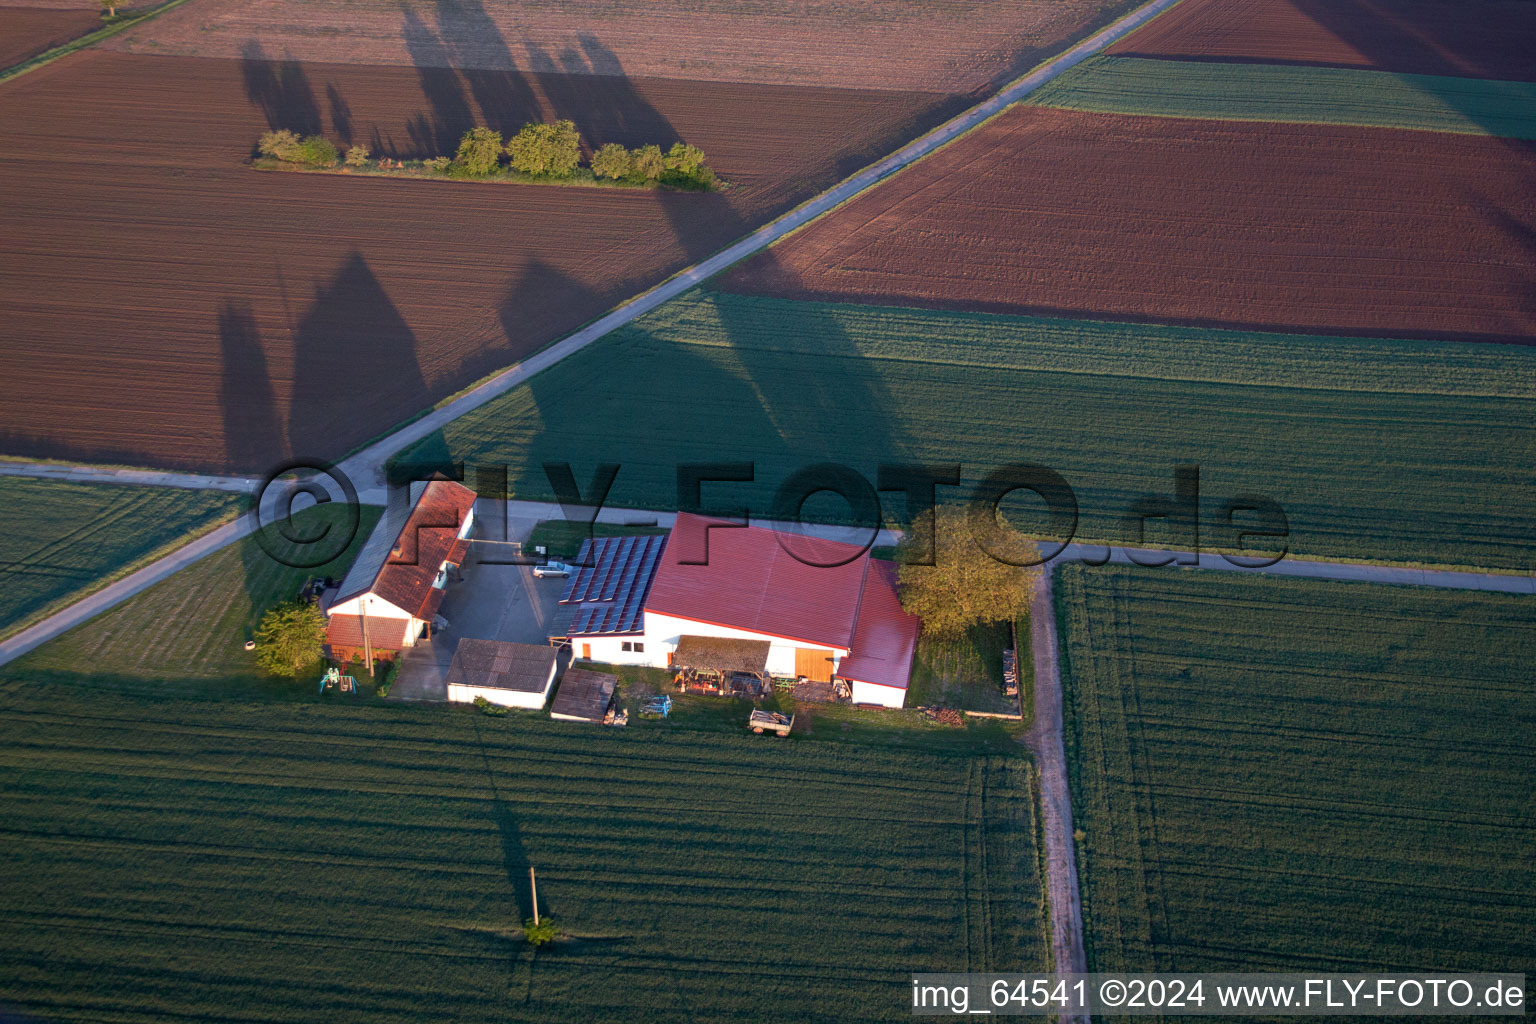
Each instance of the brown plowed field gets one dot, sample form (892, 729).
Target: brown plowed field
(1276, 226)
(28, 31)
(1467, 38)
(162, 304)
(934, 45)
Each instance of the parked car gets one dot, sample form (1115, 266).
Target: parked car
(552, 569)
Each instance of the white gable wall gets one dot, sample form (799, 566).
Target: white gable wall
(874, 693)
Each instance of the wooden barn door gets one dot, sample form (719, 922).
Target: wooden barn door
(813, 664)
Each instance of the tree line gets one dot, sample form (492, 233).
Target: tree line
(550, 152)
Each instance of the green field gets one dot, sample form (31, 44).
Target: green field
(1280, 774)
(1409, 451)
(1301, 95)
(186, 635)
(63, 540)
(269, 861)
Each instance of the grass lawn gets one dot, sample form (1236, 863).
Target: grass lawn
(63, 540)
(186, 635)
(278, 861)
(1306, 95)
(837, 723)
(1300, 775)
(563, 538)
(966, 673)
(1416, 452)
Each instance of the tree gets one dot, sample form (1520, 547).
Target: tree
(357, 156)
(967, 585)
(477, 154)
(281, 144)
(290, 637)
(110, 6)
(612, 161)
(546, 149)
(684, 159)
(646, 163)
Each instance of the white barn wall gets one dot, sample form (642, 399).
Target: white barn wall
(874, 693)
(506, 698)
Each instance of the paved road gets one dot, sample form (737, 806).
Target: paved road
(1047, 742)
(135, 477)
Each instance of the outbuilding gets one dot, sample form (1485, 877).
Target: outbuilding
(583, 696)
(512, 675)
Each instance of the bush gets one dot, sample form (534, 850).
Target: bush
(437, 164)
(290, 637)
(477, 154)
(685, 165)
(647, 164)
(539, 934)
(612, 161)
(552, 150)
(289, 148)
(357, 156)
(386, 677)
(281, 144)
(488, 708)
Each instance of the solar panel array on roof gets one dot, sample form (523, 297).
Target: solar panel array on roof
(606, 595)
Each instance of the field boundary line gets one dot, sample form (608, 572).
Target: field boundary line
(82, 42)
(74, 473)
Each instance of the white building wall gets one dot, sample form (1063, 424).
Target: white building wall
(506, 698)
(664, 631)
(610, 649)
(874, 693)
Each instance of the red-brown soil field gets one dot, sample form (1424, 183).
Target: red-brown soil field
(1467, 38)
(934, 45)
(162, 304)
(28, 31)
(1287, 227)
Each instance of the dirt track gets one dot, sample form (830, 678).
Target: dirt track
(166, 306)
(1481, 39)
(1286, 227)
(937, 45)
(28, 31)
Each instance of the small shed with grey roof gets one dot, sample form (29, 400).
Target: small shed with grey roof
(584, 696)
(514, 675)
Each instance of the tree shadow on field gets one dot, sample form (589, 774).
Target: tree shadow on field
(253, 434)
(341, 114)
(353, 355)
(281, 89)
(588, 84)
(436, 133)
(476, 46)
(514, 858)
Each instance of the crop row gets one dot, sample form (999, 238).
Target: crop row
(1299, 95)
(178, 857)
(1286, 774)
(1409, 451)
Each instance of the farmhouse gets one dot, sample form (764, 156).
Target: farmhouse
(393, 590)
(513, 675)
(826, 611)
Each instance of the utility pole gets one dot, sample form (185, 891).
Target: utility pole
(367, 647)
(533, 884)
